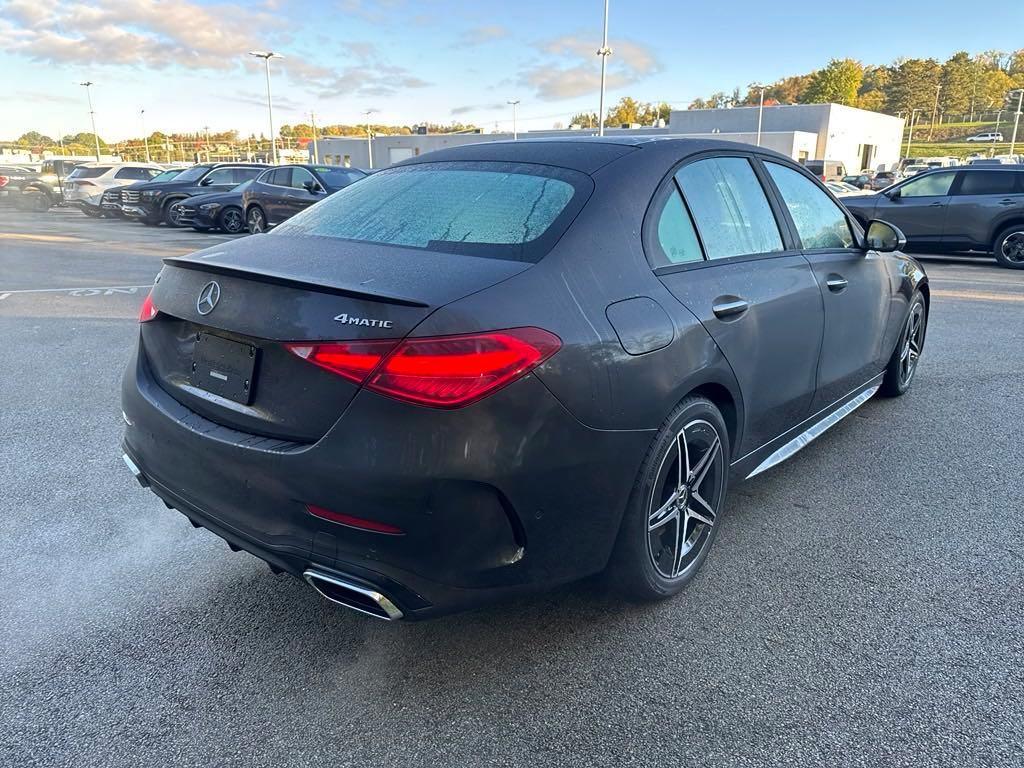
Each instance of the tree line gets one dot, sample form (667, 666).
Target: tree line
(963, 86)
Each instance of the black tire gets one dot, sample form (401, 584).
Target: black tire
(255, 220)
(651, 561)
(170, 216)
(1008, 247)
(231, 220)
(90, 214)
(899, 373)
(33, 200)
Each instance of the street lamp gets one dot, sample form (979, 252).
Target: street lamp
(145, 138)
(267, 56)
(1016, 116)
(604, 52)
(935, 110)
(515, 130)
(910, 136)
(92, 117)
(369, 135)
(316, 149)
(760, 109)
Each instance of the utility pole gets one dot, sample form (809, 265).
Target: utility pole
(604, 52)
(145, 138)
(267, 56)
(316, 149)
(92, 117)
(515, 129)
(935, 110)
(1016, 117)
(760, 110)
(369, 135)
(206, 130)
(910, 136)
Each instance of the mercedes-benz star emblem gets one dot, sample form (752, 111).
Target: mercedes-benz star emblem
(208, 298)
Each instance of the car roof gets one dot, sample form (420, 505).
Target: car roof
(580, 153)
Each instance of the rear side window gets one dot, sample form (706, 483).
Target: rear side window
(819, 221)
(89, 173)
(498, 210)
(934, 184)
(135, 173)
(675, 241)
(281, 177)
(729, 207)
(988, 182)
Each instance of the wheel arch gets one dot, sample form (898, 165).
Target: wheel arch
(723, 400)
(1001, 226)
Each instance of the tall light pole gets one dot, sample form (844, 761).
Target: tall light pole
(145, 138)
(935, 111)
(910, 136)
(267, 56)
(316, 148)
(604, 52)
(369, 135)
(1016, 117)
(760, 109)
(515, 128)
(92, 117)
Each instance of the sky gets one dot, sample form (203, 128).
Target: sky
(185, 62)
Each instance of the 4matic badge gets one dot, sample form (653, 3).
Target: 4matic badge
(348, 319)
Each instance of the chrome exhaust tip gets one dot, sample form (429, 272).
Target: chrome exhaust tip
(361, 599)
(134, 469)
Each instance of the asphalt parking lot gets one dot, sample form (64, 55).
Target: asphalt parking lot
(863, 604)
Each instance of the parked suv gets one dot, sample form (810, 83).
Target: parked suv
(86, 184)
(884, 179)
(282, 192)
(986, 137)
(154, 202)
(111, 201)
(955, 210)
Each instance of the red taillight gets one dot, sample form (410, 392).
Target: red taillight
(354, 522)
(3, 181)
(148, 310)
(439, 371)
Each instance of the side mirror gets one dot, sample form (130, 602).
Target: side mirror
(206, 182)
(312, 187)
(893, 195)
(885, 237)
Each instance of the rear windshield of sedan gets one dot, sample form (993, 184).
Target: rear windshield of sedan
(497, 210)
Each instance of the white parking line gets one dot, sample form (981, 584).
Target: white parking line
(106, 290)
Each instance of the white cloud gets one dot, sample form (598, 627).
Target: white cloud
(570, 67)
(483, 34)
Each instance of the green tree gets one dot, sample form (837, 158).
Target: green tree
(34, 139)
(584, 119)
(912, 85)
(959, 74)
(837, 83)
(627, 111)
(789, 90)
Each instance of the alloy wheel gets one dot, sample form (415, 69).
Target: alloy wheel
(174, 215)
(685, 502)
(912, 342)
(232, 221)
(256, 223)
(1012, 247)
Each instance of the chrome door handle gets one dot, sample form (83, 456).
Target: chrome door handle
(936, 205)
(732, 307)
(837, 283)
(1007, 202)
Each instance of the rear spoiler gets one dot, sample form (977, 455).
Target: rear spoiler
(279, 279)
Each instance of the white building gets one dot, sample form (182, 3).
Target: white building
(858, 138)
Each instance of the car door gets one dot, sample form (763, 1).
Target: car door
(918, 207)
(299, 197)
(273, 189)
(980, 201)
(854, 286)
(218, 180)
(732, 267)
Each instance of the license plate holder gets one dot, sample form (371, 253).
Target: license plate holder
(224, 367)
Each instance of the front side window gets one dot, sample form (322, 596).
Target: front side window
(819, 221)
(729, 207)
(238, 175)
(988, 183)
(299, 178)
(676, 240)
(934, 184)
(220, 176)
(497, 210)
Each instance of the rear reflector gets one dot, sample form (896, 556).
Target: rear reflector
(354, 522)
(148, 310)
(439, 371)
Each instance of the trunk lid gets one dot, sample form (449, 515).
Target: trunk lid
(271, 290)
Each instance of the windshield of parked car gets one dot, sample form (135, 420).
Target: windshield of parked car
(496, 210)
(195, 173)
(166, 175)
(88, 173)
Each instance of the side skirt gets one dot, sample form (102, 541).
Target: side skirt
(811, 429)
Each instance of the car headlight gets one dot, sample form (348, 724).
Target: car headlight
(151, 194)
(209, 207)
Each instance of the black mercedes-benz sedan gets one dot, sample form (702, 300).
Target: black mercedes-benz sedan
(281, 192)
(510, 365)
(217, 210)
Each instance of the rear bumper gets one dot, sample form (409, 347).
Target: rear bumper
(504, 496)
